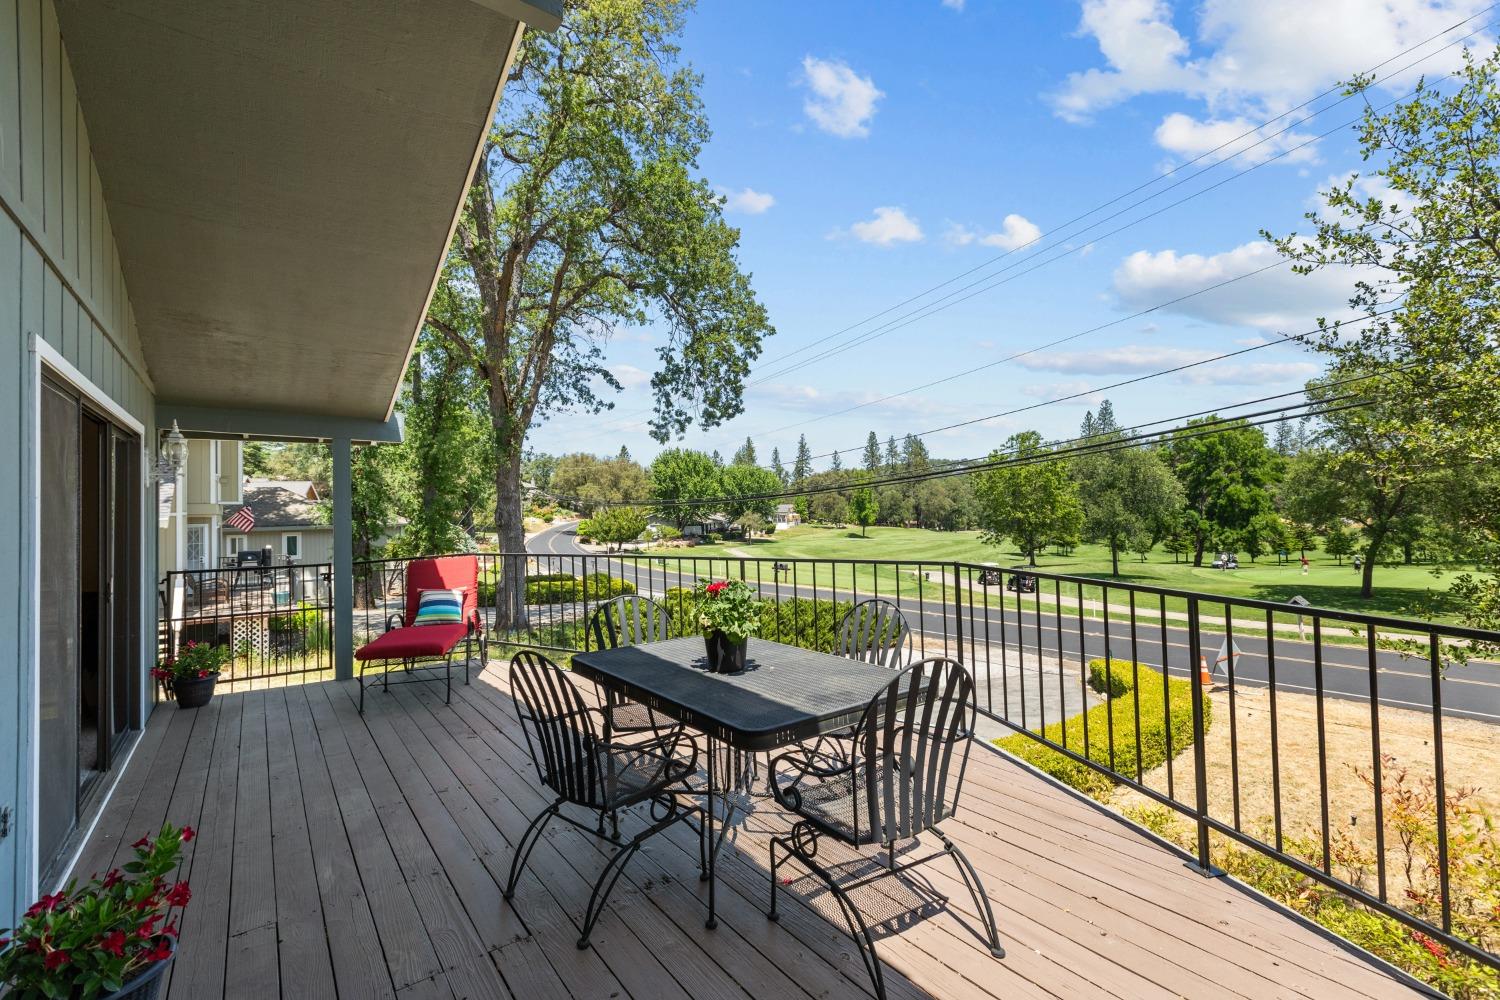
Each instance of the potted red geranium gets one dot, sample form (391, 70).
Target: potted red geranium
(191, 674)
(728, 613)
(112, 939)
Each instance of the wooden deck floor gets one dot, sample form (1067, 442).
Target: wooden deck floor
(350, 857)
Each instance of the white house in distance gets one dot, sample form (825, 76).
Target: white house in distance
(191, 511)
(786, 517)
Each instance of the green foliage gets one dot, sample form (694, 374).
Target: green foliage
(680, 475)
(562, 588)
(802, 467)
(737, 483)
(863, 508)
(307, 623)
(731, 607)
(87, 942)
(587, 481)
(1112, 679)
(1339, 543)
(1128, 496)
(796, 621)
(1118, 713)
(617, 525)
(1226, 478)
(1030, 504)
(745, 454)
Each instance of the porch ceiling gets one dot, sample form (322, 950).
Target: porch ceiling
(282, 178)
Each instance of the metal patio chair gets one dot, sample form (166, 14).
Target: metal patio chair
(630, 621)
(582, 770)
(902, 777)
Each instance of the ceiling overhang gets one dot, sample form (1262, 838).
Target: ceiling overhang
(283, 178)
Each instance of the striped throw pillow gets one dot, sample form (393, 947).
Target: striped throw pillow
(440, 607)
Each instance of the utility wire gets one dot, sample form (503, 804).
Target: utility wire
(934, 307)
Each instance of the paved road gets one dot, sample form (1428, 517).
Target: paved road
(1469, 691)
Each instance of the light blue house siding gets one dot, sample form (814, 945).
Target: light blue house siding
(60, 283)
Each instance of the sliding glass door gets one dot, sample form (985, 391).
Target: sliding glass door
(89, 614)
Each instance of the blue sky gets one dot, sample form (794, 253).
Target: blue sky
(871, 151)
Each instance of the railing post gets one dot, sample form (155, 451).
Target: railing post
(1204, 865)
(958, 615)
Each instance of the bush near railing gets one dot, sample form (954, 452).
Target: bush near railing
(562, 588)
(796, 621)
(1119, 716)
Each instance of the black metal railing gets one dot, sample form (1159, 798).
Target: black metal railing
(277, 620)
(1310, 736)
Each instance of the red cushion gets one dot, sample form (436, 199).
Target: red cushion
(418, 640)
(443, 573)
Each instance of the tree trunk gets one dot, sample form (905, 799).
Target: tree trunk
(510, 588)
(1198, 551)
(1367, 573)
(1114, 558)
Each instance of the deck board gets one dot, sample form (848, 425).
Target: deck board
(341, 855)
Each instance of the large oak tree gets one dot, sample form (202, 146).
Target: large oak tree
(586, 214)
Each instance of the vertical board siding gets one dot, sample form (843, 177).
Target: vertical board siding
(61, 280)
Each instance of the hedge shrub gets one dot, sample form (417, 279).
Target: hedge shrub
(561, 588)
(1113, 680)
(796, 621)
(1151, 738)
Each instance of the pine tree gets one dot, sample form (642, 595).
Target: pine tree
(746, 454)
(624, 455)
(776, 465)
(1086, 429)
(892, 456)
(913, 453)
(836, 463)
(872, 453)
(1104, 419)
(802, 467)
(718, 459)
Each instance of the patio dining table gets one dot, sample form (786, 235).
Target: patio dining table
(785, 695)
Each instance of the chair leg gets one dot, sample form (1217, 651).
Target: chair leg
(981, 901)
(362, 665)
(615, 867)
(448, 679)
(858, 929)
(468, 654)
(773, 914)
(523, 849)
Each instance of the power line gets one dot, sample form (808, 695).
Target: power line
(1075, 447)
(1292, 338)
(933, 307)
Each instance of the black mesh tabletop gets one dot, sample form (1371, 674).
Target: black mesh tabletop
(785, 694)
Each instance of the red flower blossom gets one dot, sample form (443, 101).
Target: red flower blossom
(147, 929)
(159, 952)
(113, 879)
(46, 904)
(56, 960)
(143, 842)
(202, 674)
(716, 588)
(188, 833)
(179, 895)
(170, 930)
(192, 644)
(114, 943)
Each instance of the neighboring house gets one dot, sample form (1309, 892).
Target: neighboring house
(230, 215)
(289, 520)
(786, 516)
(191, 510)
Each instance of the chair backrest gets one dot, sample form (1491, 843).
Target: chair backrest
(628, 621)
(559, 728)
(443, 573)
(912, 747)
(874, 630)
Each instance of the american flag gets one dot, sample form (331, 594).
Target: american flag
(241, 520)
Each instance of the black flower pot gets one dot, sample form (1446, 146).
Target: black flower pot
(193, 692)
(147, 985)
(727, 656)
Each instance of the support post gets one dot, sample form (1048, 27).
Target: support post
(343, 561)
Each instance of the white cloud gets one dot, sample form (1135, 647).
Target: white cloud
(1255, 59)
(1365, 186)
(747, 200)
(957, 5)
(1135, 359)
(1222, 138)
(841, 101)
(1015, 231)
(811, 399)
(1277, 300)
(630, 376)
(889, 226)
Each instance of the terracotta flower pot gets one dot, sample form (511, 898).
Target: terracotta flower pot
(193, 692)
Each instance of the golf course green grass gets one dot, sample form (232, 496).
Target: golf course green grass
(1399, 590)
